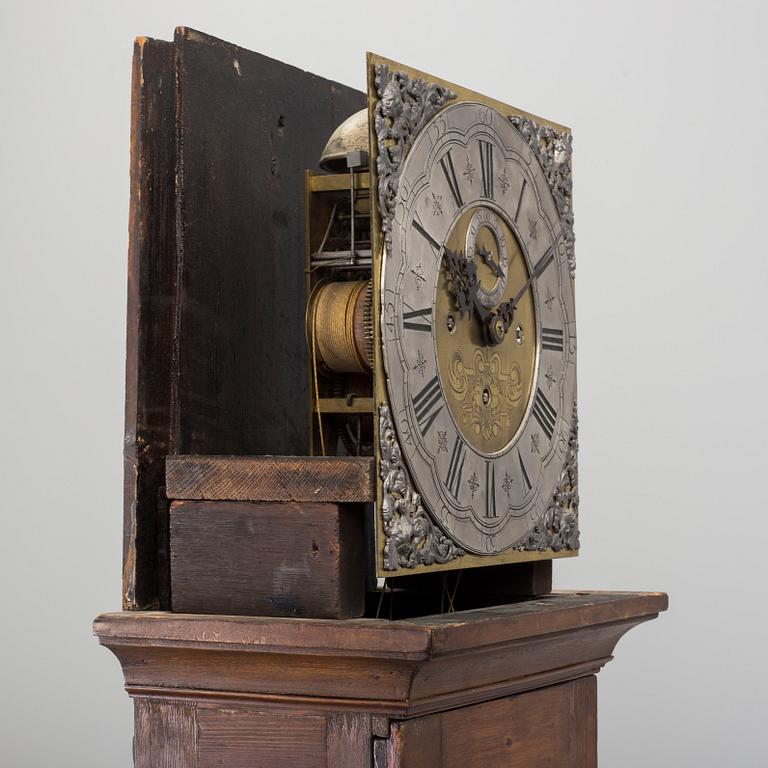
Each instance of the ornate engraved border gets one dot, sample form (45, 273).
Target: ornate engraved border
(411, 538)
(558, 527)
(553, 150)
(405, 105)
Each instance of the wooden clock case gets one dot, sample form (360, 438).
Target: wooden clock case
(217, 387)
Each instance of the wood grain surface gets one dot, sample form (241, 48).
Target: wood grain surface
(547, 727)
(406, 668)
(249, 127)
(511, 685)
(268, 559)
(554, 726)
(270, 478)
(150, 325)
(165, 734)
(349, 739)
(239, 737)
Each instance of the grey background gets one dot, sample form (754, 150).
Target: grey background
(668, 103)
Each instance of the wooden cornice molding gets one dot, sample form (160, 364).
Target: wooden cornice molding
(398, 668)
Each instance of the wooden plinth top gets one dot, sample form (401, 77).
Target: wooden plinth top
(418, 638)
(400, 668)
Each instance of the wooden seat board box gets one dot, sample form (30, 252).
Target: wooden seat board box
(245, 558)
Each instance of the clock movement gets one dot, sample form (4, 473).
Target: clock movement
(441, 322)
(351, 343)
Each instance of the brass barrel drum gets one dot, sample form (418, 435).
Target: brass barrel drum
(340, 325)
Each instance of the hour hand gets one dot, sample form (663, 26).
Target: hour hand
(486, 256)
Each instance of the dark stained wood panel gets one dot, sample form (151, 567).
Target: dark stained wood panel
(149, 363)
(249, 127)
(535, 730)
(584, 723)
(417, 743)
(216, 360)
(270, 478)
(267, 559)
(552, 726)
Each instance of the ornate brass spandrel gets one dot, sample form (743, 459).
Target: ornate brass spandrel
(558, 528)
(405, 106)
(553, 149)
(411, 536)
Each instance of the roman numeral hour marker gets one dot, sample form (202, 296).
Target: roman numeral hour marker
(486, 167)
(427, 404)
(545, 414)
(490, 489)
(552, 338)
(526, 479)
(456, 468)
(418, 319)
(446, 163)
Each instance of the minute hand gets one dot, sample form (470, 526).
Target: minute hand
(541, 265)
(499, 322)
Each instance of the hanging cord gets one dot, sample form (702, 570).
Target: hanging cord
(325, 237)
(384, 590)
(452, 596)
(444, 590)
(314, 375)
(449, 595)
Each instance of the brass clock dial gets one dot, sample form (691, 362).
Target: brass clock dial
(477, 328)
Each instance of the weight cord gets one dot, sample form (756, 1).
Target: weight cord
(314, 375)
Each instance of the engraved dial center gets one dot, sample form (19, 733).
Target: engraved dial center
(487, 387)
